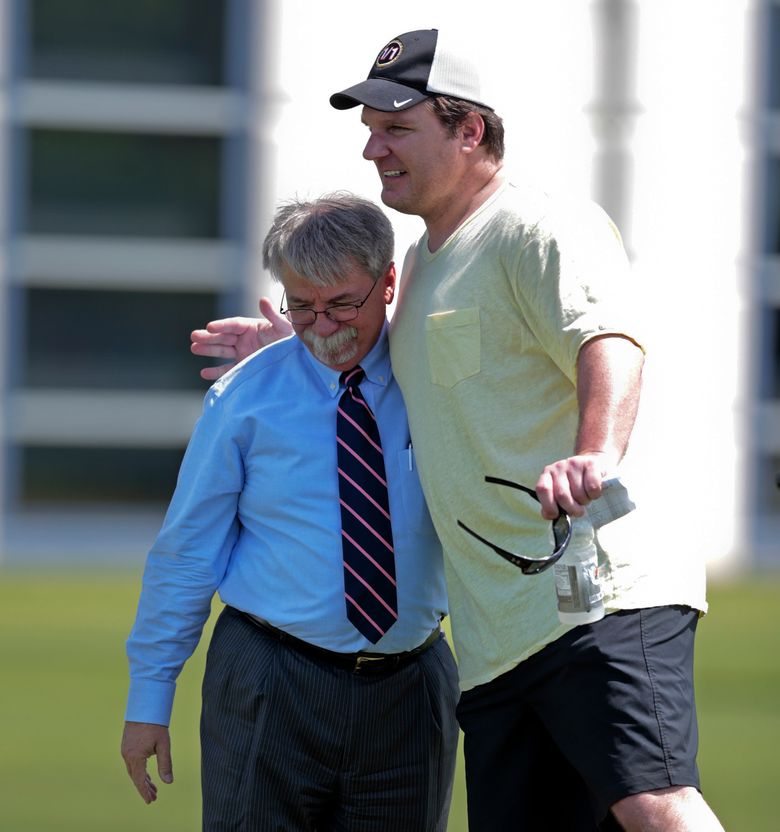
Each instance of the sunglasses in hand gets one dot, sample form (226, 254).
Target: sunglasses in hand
(561, 530)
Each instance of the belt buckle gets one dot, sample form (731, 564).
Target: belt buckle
(366, 660)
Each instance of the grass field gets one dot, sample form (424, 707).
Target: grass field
(63, 682)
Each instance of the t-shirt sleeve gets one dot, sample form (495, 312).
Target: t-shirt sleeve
(573, 282)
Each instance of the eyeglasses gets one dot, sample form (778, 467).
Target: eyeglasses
(561, 529)
(339, 312)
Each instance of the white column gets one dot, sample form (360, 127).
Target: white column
(687, 241)
(615, 108)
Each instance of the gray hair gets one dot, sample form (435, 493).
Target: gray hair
(327, 239)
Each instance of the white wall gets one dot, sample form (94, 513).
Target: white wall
(539, 62)
(686, 224)
(687, 238)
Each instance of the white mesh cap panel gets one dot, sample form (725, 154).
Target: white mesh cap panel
(453, 73)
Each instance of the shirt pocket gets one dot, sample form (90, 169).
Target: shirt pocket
(453, 344)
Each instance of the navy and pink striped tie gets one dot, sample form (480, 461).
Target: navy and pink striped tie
(366, 533)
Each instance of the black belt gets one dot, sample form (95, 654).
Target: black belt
(367, 663)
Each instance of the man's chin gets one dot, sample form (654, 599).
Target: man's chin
(395, 201)
(335, 359)
(346, 357)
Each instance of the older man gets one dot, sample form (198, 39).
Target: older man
(329, 692)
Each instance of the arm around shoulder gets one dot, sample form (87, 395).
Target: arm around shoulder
(237, 338)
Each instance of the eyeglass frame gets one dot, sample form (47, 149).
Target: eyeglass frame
(326, 312)
(529, 566)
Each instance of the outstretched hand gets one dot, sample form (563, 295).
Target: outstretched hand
(237, 338)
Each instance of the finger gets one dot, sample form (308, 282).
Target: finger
(572, 493)
(572, 490)
(213, 350)
(591, 484)
(560, 487)
(596, 470)
(136, 768)
(230, 326)
(585, 474)
(151, 788)
(545, 491)
(277, 325)
(213, 373)
(164, 761)
(149, 793)
(274, 317)
(204, 336)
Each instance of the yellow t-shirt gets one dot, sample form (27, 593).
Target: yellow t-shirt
(484, 344)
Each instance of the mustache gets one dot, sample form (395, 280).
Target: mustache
(331, 346)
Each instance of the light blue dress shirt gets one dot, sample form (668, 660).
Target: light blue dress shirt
(255, 516)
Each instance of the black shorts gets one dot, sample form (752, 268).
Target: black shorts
(604, 712)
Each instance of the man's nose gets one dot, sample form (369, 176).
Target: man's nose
(375, 148)
(323, 326)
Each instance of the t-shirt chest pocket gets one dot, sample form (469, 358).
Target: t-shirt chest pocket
(453, 344)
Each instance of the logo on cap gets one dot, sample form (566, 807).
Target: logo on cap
(389, 53)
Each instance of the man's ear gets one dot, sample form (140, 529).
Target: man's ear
(471, 131)
(389, 284)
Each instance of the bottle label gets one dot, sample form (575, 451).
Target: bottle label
(577, 586)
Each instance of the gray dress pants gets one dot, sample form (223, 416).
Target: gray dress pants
(293, 743)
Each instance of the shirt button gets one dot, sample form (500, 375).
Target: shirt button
(382, 379)
(332, 386)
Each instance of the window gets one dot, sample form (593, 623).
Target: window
(143, 41)
(769, 387)
(123, 184)
(773, 58)
(113, 339)
(768, 494)
(772, 205)
(98, 474)
(104, 388)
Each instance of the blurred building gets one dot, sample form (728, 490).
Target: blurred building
(762, 279)
(125, 158)
(138, 142)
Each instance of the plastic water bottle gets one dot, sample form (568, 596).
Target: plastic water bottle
(577, 580)
(577, 584)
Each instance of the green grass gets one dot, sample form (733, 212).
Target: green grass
(63, 683)
(738, 697)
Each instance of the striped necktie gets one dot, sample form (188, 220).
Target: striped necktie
(366, 534)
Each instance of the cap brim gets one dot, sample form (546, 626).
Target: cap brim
(379, 94)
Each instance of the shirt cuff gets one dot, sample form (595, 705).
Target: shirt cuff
(150, 701)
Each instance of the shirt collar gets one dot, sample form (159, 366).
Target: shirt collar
(376, 365)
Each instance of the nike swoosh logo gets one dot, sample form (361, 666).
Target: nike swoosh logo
(398, 104)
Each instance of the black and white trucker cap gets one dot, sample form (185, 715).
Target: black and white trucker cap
(412, 67)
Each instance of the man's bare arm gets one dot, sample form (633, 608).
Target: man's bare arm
(609, 379)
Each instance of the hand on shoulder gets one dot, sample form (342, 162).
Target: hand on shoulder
(237, 338)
